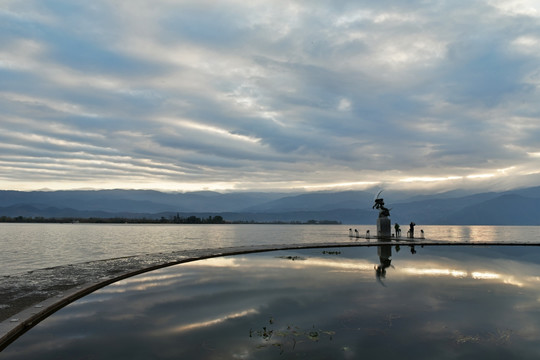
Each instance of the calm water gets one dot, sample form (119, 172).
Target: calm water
(439, 302)
(33, 246)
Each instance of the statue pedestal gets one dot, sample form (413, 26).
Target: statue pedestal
(383, 227)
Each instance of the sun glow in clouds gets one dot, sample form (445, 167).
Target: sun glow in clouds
(426, 179)
(216, 130)
(480, 176)
(430, 179)
(210, 130)
(360, 184)
(482, 275)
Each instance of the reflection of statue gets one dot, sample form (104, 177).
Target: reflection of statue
(385, 254)
(384, 251)
(379, 205)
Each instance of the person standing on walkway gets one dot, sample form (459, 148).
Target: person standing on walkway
(411, 229)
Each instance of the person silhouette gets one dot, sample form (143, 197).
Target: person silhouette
(397, 229)
(411, 229)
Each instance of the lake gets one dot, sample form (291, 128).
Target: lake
(28, 247)
(431, 302)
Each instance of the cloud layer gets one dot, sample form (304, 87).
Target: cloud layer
(186, 95)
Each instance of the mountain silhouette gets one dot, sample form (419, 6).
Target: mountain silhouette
(515, 207)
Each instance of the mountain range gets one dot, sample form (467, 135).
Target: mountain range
(515, 207)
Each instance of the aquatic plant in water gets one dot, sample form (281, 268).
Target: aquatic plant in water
(288, 336)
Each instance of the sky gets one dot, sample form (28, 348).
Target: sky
(269, 95)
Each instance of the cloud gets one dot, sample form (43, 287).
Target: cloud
(268, 93)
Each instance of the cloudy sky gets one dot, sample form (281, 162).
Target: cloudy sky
(269, 95)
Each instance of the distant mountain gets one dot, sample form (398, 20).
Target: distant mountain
(435, 210)
(531, 192)
(507, 209)
(317, 201)
(30, 211)
(138, 201)
(516, 207)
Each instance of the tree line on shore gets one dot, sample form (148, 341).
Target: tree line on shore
(117, 220)
(176, 219)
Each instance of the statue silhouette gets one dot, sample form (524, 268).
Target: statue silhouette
(379, 205)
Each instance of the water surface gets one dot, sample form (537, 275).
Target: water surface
(443, 302)
(28, 247)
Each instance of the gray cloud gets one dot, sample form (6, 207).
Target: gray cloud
(197, 94)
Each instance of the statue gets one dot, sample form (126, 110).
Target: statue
(379, 205)
(383, 221)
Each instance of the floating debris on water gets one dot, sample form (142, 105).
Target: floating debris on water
(293, 258)
(331, 252)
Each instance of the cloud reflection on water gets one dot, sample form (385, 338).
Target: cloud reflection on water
(440, 300)
(206, 323)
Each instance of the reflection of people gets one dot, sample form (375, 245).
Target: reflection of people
(411, 229)
(397, 229)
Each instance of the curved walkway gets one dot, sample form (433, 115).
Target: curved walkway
(28, 298)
